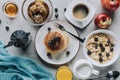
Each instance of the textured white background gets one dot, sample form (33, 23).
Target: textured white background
(20, 23)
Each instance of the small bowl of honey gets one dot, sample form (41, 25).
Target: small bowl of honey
(10, 9)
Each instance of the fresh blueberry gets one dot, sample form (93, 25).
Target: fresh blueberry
(89, 52)
(107, 54)
(56, 10)
(68, 53)
(49, 55)
(0, 21)
(95, 39)
(65, 9)
(102, 49)
(7, 28)
(100, 60)
(56, 16)
(49, 29)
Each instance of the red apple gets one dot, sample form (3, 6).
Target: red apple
(103, 20)
(110, 5)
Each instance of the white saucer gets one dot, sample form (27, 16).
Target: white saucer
(58, 58)
(68, 14)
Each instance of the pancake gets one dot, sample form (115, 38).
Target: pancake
(56, 41)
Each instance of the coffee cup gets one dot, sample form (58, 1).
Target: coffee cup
(80, 11)
(82, 69)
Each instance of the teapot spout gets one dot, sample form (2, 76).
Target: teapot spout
(10, 43)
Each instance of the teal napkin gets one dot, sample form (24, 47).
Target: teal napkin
(20, 68)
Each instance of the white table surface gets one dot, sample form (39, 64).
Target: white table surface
(20, 23)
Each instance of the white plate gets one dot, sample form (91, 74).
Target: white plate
(60, 58)
(83, 24)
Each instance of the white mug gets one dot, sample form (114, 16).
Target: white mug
(82, 69)
(80, 11)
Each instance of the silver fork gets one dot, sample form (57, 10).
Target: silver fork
(63, 29)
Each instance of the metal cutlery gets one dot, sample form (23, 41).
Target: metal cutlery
(63, 29)
(111, 75)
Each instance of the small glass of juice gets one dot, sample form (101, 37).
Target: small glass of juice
(10, 9)
(64, 73)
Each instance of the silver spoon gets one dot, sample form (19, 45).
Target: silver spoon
(110, 75)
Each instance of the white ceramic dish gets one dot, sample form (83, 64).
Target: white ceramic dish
(82, 24)
(25, 6)
(116, 48)
(60, 58)
(83, 69)
(4, 11)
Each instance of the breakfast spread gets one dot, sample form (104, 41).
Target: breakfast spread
(56, 41)
(38, 11)
(100, 47)
(11, 9)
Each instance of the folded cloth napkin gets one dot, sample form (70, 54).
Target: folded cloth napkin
(20, 68)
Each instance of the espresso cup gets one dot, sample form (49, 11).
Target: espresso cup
(82, 69)
(80, 12)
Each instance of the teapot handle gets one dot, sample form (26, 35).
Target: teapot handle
(95, 72)
(27, 34)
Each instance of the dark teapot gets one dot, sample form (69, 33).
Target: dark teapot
(19, 39)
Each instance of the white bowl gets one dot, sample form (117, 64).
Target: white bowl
(116, 48)
(4, 11)
(25, 6)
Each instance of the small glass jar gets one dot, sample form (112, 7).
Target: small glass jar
(10, 9)
(64, 73)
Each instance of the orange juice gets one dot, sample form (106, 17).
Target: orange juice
(64, 73)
